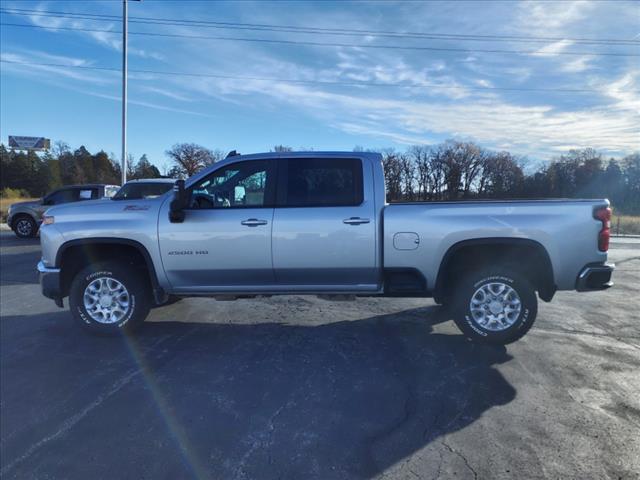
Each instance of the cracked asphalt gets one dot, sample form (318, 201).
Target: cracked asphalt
(298, 387)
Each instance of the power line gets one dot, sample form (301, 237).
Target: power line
(311, 82)
(326, 44)
(319, 30)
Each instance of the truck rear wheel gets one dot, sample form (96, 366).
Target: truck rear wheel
(495, 305)
(110, 298)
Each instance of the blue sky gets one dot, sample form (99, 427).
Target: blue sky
(443, 93)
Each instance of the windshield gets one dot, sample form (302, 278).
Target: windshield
(110, 190)
(142, 190)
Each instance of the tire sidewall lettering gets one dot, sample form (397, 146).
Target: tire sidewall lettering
(102, 273)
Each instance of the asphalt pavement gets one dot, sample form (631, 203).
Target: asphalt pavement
(297, 387)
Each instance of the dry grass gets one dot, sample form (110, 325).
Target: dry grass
(6, 202)
(625, 224)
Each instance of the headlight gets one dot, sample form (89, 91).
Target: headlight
(48, 220)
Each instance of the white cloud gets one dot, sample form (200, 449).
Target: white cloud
(542, 16)
(531, 129)
(166, 93)
(106, 39)
(552, 49)
(152, 105)
(29, 69)
(577, 65)
(625, 92)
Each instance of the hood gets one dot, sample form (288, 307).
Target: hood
(31, 203)
(105, 209)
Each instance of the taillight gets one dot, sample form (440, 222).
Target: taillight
(604, 215)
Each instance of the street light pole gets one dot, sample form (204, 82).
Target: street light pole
(124, 90)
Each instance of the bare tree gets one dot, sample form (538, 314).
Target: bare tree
(408, 174)
(437, 169)
(392, 174)
(419, 154)
(282, 148)
(502, 176)
(189, 158)
(216, 156)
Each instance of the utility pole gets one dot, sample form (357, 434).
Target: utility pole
(124, 90)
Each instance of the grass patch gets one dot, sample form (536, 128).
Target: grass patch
(6, 202)
(625, 224)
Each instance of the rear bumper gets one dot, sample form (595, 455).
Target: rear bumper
(50, 283)
(595, 276)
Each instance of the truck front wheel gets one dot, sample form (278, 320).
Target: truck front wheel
(109, 298)
(495, 305)
(25, 227)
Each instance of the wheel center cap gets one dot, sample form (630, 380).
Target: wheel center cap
(106, 300)
(495, 307)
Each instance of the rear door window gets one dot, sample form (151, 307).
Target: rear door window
(66, 195)
(320, 182)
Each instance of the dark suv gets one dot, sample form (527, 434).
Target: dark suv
(24, 218)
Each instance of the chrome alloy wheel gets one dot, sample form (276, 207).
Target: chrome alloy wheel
(495, 306)
(24, 227)
(106, 300)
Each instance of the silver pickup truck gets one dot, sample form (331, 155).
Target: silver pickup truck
(318, 223)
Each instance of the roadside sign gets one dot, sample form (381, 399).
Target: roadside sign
(29, 143)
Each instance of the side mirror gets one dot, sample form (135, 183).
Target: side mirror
(178, 204)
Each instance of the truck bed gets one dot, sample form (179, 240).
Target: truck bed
(565, 228)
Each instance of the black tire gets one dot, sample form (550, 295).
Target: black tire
(491, 278)
(137, 293)
(24, 226)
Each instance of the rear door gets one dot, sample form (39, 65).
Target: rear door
(324, 227)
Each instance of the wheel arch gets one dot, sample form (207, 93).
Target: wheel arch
(18, 215)
(537, 264)
(81, 252)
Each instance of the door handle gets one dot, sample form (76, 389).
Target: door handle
(355, 220)
(253, 222)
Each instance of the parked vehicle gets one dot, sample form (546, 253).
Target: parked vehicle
(318, 223)
(24, 218)
(144, 188)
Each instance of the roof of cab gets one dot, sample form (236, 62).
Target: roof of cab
(152, 180)
(374, 156)
(308, 154)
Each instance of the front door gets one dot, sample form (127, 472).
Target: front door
(224, 243)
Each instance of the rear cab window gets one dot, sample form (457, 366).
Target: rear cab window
(87, 193)
(320, 182)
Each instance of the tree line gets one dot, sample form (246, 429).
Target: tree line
(452, 170)
(456, 170)
(36, 175)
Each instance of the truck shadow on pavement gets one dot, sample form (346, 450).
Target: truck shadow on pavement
(13, 271)
(347, 399)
